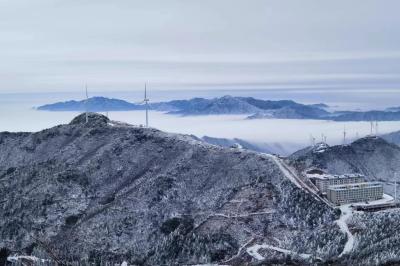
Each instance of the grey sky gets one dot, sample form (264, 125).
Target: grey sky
(116, 45)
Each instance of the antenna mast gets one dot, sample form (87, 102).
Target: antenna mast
(86, 102)
(344, 135)
(146, 101)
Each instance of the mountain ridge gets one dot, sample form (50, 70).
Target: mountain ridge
(254, 108)
(195, 106)
(104, 191)
(107, 191)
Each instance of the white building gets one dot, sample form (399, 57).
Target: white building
(323, 181)
(358, 192)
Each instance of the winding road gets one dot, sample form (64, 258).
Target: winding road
(346, 213)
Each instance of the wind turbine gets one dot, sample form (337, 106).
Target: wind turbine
(372, 127)
(395, 187)
(323, 138)
(86, 103)
(146, 102)
(312, 139)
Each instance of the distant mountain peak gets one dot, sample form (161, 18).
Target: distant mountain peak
(93, 104)
(227, 104)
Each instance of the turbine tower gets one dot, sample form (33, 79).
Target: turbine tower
(146, 102)
(323, 138)
(312, 139)
(372, 128)
(395, 187)
(86, 103)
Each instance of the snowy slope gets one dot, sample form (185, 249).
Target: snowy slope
(115, 192)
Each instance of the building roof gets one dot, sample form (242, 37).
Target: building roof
(326, 176)
(355, 186)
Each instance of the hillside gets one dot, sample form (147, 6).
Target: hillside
(105, 191)
(376, 233)
(393, 137)
(112, 192)
(371, 156)
(271, 148)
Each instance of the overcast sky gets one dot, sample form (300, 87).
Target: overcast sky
(58, 45)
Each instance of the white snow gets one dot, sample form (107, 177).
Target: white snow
(253, 251)
(240, 250)
(346, 213)
(295, 179)
(320, 147)
(16, 258)
(385, 199)
(242, 215)
(284, 170)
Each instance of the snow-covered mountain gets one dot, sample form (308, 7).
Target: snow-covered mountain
(222, 105)
(197, 106)
(393, 137)
(105, 191)
(254, 108)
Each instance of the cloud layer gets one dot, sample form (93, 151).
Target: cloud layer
(60, 45)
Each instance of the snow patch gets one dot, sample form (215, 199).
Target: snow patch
(385, 199)
(253, 251)
(284, 170)
(17, 258)
(346, 213)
